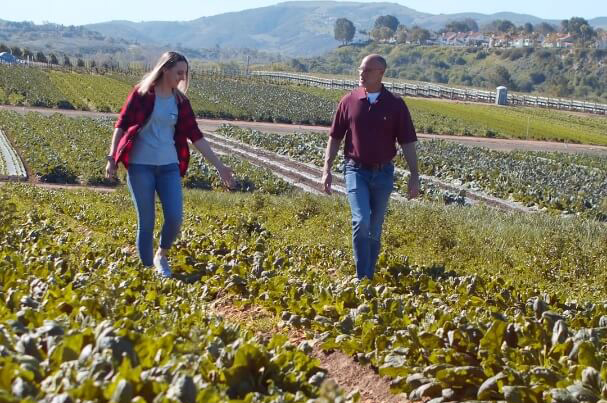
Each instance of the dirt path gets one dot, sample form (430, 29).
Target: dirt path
(496, 144)
(341, 368)
(62, 186)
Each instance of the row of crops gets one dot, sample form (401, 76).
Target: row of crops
(554, 181)
(211, 97)
(60, 149)
(254, 99)
(470, 119)
(81, 322)
(70, 150)
(435, 332)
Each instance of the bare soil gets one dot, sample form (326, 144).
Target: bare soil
(347, 373)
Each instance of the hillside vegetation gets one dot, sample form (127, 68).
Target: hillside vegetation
(575, 73)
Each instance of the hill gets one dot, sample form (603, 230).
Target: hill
(296, 28)
(567, 73)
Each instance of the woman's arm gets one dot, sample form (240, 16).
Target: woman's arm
(111, 167)
(225, 172)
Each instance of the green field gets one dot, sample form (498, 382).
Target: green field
(229, 98)
(474, 119)
(486, 305)
(60, 149)
(552, 181)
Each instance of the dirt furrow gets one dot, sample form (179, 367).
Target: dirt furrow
(341, 368)
(295, 171)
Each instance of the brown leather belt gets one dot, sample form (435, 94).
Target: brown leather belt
(370, 167)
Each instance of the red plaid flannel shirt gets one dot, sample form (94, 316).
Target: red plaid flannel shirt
(135, 113)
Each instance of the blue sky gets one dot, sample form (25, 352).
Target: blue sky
(76, 12)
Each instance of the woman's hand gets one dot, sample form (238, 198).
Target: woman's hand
(227, 176)
(110, 169)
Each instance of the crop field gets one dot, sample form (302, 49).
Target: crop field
(253, 99)
(59, 149)
(546, 180)
(82, 319)
(470, 119)
(469, 303)
(90, 92)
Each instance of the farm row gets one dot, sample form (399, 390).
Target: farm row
(82, 322)
(254, 99)
(502, 328)
(58, 149)
(562, 183)
(70, 150)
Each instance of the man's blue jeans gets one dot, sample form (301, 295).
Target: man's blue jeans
(144, 182)
(368, 194)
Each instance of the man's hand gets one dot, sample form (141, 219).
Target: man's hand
(327, 179)
(413, 186)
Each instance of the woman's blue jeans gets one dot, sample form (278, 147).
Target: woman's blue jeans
(144, 181)
(368, 194)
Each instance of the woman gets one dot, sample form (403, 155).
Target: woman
(151, 140)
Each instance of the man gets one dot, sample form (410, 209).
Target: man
(372, 120)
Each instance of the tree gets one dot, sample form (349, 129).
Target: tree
(17, 51)
(401, 34)
(67, 61)
(298, 66)
(579, 28)
(544, 28)
(380, 34)
(388, 21)
(53, 59)
(41, 58)
(503, 26)
(4, 48)
(419, 35)
(527, 28)
(80, 62)
(464, 25)
(344, 30)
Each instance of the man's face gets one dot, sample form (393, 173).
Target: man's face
(370, 74)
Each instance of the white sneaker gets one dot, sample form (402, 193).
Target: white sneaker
(161, 264)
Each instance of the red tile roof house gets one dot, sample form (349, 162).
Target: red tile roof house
(559, 41)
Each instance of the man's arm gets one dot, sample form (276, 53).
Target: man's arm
(330, 154)
(411, 157)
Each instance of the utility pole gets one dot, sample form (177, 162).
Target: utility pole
(246, 71)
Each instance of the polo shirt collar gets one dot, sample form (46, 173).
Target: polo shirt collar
(361, 93)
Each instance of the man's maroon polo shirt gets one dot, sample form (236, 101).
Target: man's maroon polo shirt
(372, 130)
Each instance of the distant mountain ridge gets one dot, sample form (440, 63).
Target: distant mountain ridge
(294, 28)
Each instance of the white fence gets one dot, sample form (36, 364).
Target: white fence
(438, 91)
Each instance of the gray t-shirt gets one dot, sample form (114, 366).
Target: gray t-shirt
(155, 144)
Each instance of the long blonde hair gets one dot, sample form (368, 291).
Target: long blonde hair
(166, 61)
